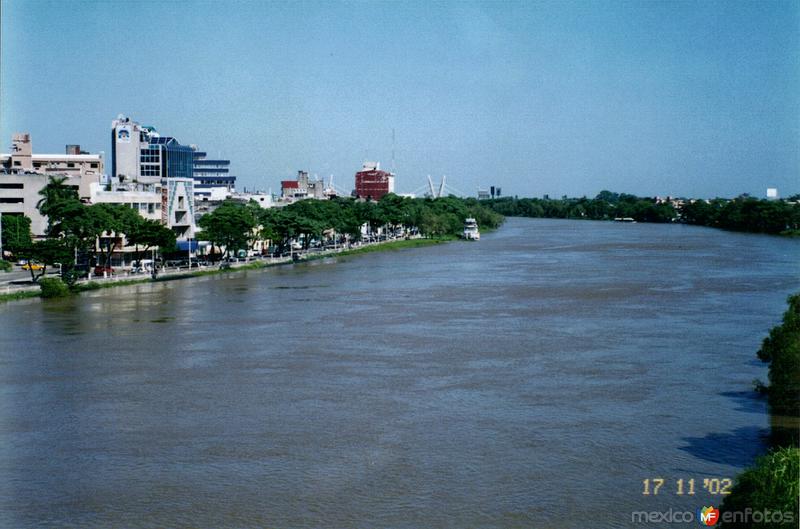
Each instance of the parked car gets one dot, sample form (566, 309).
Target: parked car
(32, 266)
(98, 270)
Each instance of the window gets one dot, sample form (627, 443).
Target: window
(11, 186)
(12, 200)
(17, 163)
(94, 166)
(151, 208)
(70, 164)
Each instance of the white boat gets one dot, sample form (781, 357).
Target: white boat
(471, 232)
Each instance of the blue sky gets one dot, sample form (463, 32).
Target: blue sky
(652, 98)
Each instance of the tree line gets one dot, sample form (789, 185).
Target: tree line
(92, 233)
(740, 214)
(236, 226)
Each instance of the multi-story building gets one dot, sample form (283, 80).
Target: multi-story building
(304, 187)
(212, 180)
(145, 161)
(80, 169)
(19, 194)
(372, 183)
(177, 207)
(144, 201)
(141, 155)
(23, 174)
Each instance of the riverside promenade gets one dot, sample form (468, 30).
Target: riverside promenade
(165, 273)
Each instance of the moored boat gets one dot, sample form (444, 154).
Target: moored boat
(471, 232)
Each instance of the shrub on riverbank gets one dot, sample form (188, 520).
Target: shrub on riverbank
(773, 485)
(53, 287)
(781, 350)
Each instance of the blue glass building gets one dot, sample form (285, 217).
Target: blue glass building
(164, 157)
(210, 175)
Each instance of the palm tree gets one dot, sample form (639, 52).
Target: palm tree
(56, 200)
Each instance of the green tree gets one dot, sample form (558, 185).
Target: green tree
(781, 350)
(231, 226)
(16, 233)
(147, 234)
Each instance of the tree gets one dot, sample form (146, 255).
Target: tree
(230, 225)
(149, 234)
(46, 252)
(16, 233)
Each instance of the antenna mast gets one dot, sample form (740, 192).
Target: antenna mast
(393, 150)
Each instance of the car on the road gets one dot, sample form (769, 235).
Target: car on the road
(32, 266)
(98, 270)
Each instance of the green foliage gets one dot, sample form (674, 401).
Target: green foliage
(309, 220)
(16, 233)
(781, 350)
(231, 225)
(149, 234)
(605, 206)
(53, 287)
(740, 214)
(772, 484)
(744, 214)
(5, 266)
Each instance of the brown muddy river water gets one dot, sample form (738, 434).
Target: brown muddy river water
(533, 379)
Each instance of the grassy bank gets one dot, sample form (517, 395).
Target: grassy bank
(393, 246)
(98, 285)
(14, 296)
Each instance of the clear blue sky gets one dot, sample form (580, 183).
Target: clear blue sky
(652, 98)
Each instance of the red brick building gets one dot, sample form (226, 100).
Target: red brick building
(372, 183)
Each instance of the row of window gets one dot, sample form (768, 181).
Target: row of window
(149, 207)
(70, 165)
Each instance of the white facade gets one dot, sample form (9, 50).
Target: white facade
(177, 207)
(81, 169)
(127, 137)
(146, 202)
(19, 194)
(262, 199)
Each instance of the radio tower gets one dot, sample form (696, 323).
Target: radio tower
(392, 150)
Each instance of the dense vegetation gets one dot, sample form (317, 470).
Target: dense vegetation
(774, 482)
(771, 488)
(781, 350)
(237, 226)
(740, 214)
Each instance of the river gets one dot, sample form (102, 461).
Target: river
(532, 379)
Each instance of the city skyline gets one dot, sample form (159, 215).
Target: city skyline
(685, 99)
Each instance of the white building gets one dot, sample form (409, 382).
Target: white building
(177, 207)
(23, 174)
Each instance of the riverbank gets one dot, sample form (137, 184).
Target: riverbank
(33, 291)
